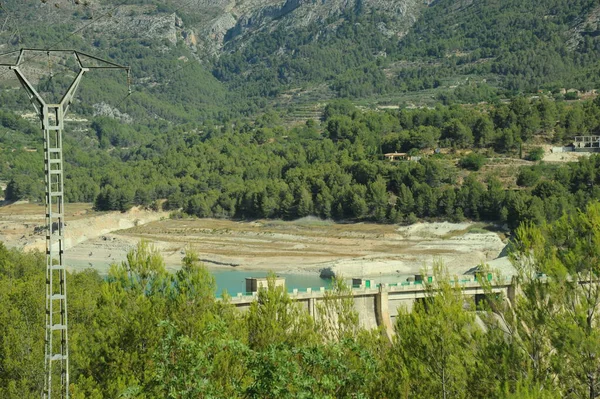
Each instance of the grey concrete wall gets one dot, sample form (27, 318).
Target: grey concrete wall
(378, 306)
(365, 307)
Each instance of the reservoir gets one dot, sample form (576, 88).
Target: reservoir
(234, 281)
(231, 280)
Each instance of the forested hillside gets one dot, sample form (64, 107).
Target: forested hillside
(511, 46)
(214, 134)
(194, 61)
(529, 44)
(332, 169)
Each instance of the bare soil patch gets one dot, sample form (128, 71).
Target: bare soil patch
(307, 245)
(312, 245)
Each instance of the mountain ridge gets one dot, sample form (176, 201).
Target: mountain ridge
(197, 60)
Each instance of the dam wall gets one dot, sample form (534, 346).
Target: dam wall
(378, 306)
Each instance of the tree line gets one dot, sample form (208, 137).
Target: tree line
(334, 169)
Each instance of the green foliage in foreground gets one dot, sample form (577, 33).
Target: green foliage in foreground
(144, 333)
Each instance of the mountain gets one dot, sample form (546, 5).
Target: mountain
(231, 112)
(240, 20)
(194, 60)
(528, 45)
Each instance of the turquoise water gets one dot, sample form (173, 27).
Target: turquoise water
(234, 281)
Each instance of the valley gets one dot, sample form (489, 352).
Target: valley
(376, 139)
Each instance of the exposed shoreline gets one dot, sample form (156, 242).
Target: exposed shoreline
(307, 246)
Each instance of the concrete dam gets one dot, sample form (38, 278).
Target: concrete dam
(377, 306)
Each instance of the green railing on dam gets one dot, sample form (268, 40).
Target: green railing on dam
(467, 282)
(377, 304)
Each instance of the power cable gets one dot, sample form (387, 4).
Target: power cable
(109, 13)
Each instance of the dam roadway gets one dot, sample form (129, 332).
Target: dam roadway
(378, 306)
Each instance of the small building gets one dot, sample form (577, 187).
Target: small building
(396, 156)
(254, 284)
(401, 156)
(587, 143)
(558, 150)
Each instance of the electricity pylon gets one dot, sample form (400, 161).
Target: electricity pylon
(56, 359)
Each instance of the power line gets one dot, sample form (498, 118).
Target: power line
(109, 13)
(96, 20)
(56, 342)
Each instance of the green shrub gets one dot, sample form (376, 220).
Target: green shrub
(536, 154)
(472, 161)
(528, 177)
(572, 95)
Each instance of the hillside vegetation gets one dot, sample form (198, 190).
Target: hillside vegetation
(332, 170)
(209, 60)
(209, 130)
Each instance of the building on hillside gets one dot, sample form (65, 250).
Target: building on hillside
(401, 156)
(396, 156)
(587, 143)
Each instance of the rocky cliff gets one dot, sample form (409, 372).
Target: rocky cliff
(207, 25)
(236, 20)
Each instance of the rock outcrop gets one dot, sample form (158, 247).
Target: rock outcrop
(140, 25)
(207, 25)
(236, 20)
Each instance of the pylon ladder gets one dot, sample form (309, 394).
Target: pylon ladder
(57, 323)
(56, 348)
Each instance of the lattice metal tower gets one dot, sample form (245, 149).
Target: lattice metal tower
(56, 359)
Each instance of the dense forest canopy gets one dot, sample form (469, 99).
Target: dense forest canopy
(333, 168)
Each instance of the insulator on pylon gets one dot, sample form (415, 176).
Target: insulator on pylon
(128, 82)
(50, 66)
